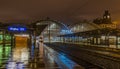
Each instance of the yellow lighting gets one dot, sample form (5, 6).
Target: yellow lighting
(115, 22)
(21, 41)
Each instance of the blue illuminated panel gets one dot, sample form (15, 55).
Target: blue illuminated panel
(16, 28)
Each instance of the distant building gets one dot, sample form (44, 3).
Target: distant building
(105, 22)
(106, 17)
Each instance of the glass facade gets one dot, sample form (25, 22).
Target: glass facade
(83, 26)
(53, 30)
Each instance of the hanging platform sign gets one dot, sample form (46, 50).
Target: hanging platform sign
(17, 28)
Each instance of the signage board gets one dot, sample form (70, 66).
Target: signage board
(17, 28)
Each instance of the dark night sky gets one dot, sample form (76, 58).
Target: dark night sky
(66, 11)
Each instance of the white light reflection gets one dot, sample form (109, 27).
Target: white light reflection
(61, 59)
(11, 65)
(24, 55)
(20, 58)
(20, 55)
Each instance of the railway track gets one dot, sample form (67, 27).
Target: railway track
(71, 54)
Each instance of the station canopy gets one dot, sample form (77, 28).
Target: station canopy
(53, 29)
(83, 26)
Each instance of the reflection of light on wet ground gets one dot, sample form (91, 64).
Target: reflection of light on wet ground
(32, 51)
(19, 59)
(61, 59)
(14, 65)
(20, 54)
(5, 53)
(11, 65)
(70, 64)
(24, 55)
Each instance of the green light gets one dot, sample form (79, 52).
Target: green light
(1, 49)
(7, 37)
(7, 51)
(1, 38)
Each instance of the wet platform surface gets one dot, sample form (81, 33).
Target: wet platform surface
(23, 58)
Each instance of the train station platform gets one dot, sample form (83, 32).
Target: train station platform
(23, 58)
(61, 47)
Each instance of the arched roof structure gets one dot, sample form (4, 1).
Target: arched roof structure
(53, 29)
(83, 26)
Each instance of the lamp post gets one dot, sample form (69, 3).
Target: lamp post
(49, 31)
